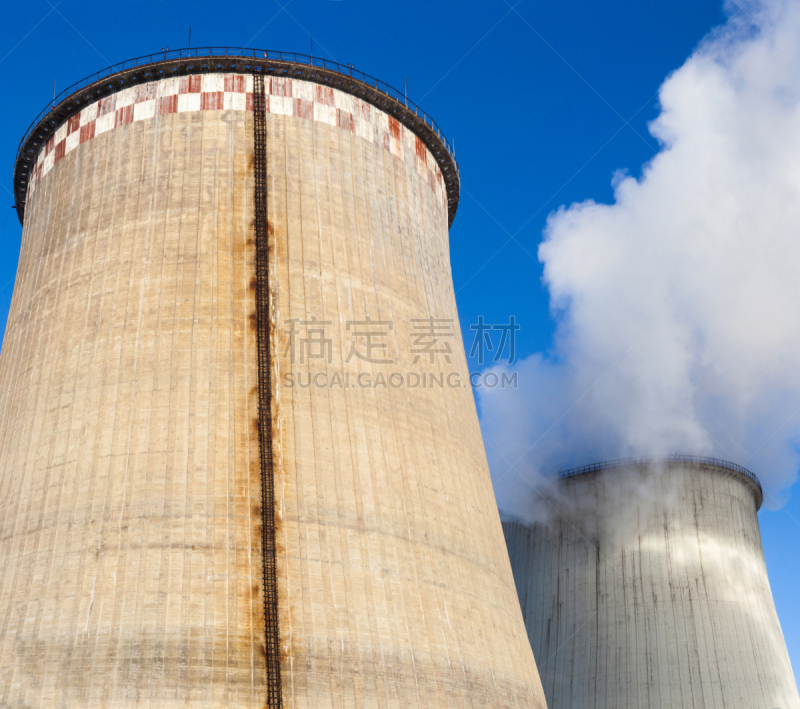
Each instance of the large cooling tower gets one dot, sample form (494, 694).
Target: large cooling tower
(240, 463)
(645, 587)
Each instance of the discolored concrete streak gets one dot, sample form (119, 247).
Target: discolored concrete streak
(130, 489)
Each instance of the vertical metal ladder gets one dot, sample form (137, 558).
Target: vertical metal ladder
(274, 696)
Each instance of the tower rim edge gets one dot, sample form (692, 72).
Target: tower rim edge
(747, 477)
(233, 60)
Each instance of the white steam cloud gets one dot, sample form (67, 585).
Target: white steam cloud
(678, 306)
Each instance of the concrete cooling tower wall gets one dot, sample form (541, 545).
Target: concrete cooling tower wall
(647, 588)
(240, 464)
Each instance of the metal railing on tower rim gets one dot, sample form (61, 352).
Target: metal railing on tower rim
(202, 60)
(234, 52)
(655, 460)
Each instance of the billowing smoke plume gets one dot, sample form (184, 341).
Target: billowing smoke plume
(678, 306)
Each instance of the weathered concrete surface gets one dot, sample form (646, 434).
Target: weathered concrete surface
(648, 588)
(129, 481)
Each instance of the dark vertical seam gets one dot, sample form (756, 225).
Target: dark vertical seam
(272, 644)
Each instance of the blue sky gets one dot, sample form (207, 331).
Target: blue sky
(544, 102)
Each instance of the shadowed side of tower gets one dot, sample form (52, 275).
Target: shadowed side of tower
(157, 384)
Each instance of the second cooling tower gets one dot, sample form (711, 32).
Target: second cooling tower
(644, 585)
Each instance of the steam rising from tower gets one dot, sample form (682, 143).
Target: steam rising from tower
(678, 326)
